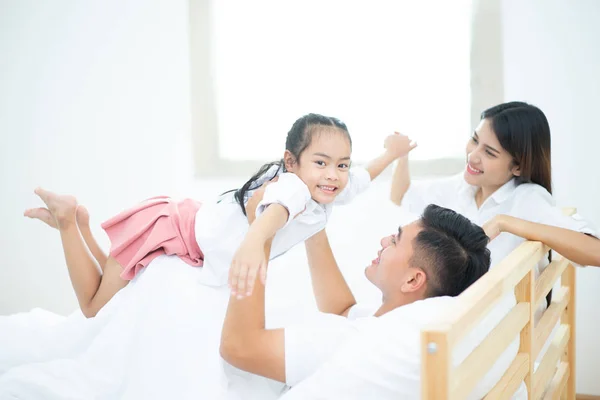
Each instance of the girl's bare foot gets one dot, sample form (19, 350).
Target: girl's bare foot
(43, 214)
(83, 216)
(62, 208)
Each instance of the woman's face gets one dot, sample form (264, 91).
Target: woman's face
(488, 164)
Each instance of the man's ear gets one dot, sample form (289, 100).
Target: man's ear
(415, 280)
(289, 161)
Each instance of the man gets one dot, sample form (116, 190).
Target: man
(441, 254)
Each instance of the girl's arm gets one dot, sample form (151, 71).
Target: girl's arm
(281, 203)
(268, 223)
(578, 247)
(396, 146)
(329, 286)
(249, 260)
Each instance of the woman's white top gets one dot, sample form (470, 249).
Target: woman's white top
(527, 201)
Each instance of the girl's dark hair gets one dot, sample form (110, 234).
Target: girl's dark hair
(523, 131)
(298, 139)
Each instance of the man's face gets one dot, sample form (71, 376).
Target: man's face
(391, 271)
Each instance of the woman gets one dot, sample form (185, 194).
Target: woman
(506, 187)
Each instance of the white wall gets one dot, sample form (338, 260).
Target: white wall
(552, 59)
(93, 101)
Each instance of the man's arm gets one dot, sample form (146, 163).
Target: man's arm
(245, 343)
(396, 146)
(329, 286)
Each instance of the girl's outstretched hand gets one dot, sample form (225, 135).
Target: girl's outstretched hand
(249, 260)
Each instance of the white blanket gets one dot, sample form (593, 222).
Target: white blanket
(158, 338)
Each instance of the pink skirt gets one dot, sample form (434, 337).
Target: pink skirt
(154, 227)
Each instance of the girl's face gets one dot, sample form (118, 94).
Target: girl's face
(324, 164)
(488, 164)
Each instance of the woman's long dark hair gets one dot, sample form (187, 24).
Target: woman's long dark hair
(298, 139)
(523, 130)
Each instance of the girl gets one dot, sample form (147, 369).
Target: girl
(506, 187)
(313, 174)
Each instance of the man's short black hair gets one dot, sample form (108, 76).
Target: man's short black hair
(451, 250)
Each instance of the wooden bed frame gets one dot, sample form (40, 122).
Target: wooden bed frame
(554, 378)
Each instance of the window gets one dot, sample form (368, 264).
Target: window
(379, 66)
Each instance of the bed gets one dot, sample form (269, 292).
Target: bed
(551, 376)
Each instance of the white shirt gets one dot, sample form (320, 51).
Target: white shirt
(310, 342)
(221, 227)
(527, 201)
(380, 358)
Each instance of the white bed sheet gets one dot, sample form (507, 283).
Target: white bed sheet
(158, 338)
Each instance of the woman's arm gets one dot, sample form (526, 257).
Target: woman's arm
(578, 247)
(400, 181)
(396, 146)
(401, 176)
(329, 286)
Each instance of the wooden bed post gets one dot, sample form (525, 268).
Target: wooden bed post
(525, 293)
(554, 378)
(568, 317)
(435, 368)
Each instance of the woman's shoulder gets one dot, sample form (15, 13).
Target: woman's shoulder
(533, 191)
(530, 200)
